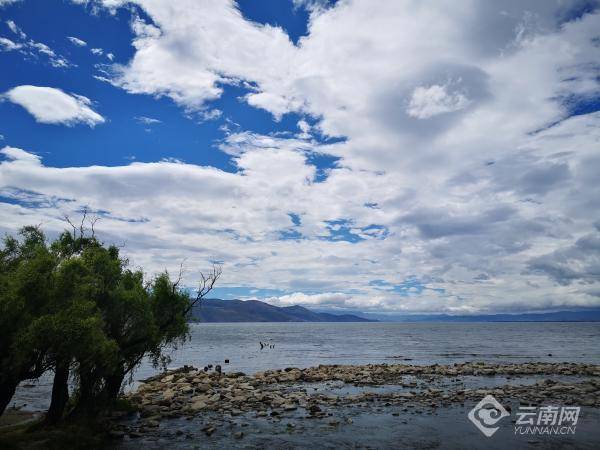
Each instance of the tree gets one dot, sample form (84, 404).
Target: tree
(26, 268)
(76, 308)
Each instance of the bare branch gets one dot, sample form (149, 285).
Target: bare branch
(81, 227)
(207, 282)
(180, 276)
(68, 220)
(93, 221)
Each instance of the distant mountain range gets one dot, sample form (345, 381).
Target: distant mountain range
(591, 315)
(214, 310)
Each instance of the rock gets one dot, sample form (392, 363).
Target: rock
(149, 410)
(238, 435)
(116, 434)
(208, 430)
(198, 405)
(314, 409)
(168, 394)
(405, 395)
(226, 361)
(218, 368)
(204, 387)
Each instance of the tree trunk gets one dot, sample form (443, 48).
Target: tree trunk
(60, 393)
(113, 386)
(85, 404)
(7, 390)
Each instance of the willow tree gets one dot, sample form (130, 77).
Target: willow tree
(26, 268)
(75, 307)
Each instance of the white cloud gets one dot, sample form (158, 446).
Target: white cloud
(147, 120)
(8, 45)
(426, 102)
(76, 41)
(305, 129)
(15, 29)
(97, 51)
(20, 156)
(327, 299)
(53, 106)
(166, 209)
(30, 48)
(460, 169)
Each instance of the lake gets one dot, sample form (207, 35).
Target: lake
(310, 344)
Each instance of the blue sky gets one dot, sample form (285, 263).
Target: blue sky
(347, 157)
(190, 139)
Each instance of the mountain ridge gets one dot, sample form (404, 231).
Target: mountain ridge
(224, 311)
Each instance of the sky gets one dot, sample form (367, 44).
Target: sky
(388, 157)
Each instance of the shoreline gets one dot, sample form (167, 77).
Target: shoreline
(273, 406)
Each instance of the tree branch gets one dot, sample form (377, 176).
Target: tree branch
(206, 285)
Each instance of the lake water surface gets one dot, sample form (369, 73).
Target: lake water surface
(311, 344)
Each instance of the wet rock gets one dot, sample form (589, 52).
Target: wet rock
(152, 423)
(187, 392)
(116, 434)
(209, 430)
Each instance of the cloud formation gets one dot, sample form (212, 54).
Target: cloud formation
(427, 102)
(53, 106)
(463, 181)
(76, 41)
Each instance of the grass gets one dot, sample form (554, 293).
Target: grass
(16, 432)
(25, 430)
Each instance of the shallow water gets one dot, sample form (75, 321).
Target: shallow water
(311, 344)
(394, 427)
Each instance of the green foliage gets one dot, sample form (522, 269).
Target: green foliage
(26, 276)
(74, 303)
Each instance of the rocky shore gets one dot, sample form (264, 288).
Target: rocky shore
(325, 393)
